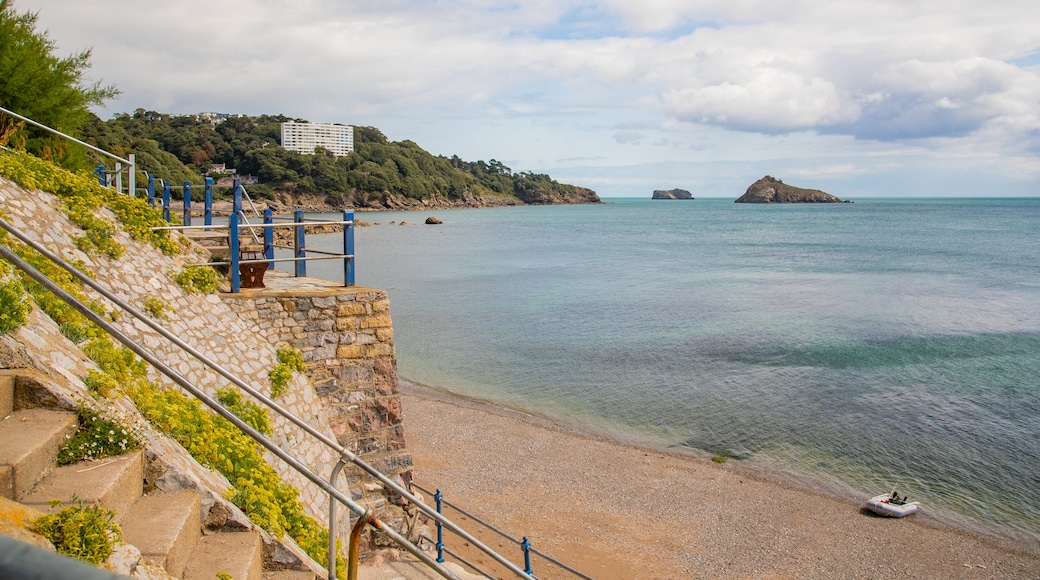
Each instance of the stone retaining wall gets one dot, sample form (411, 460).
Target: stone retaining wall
(346, 337)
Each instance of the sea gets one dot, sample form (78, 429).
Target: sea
(854, 349)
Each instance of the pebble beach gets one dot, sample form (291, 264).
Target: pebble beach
(615, 511)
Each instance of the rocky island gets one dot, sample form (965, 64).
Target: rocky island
(771, 190)
(672, 194)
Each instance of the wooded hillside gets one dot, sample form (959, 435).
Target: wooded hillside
(380, 173)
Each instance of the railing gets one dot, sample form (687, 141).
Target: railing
(299, 247)
(365, 517)
(116, 174)
(238, 193)
(237, 222)
(525, 545)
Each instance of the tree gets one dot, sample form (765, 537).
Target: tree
(36, 84)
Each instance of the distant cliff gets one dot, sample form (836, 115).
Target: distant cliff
(672, 194)
(772, 190)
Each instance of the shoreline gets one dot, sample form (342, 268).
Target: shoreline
(604, 506)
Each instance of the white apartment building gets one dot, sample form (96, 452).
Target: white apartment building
(304, 137)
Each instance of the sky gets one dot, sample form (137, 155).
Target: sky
(878, 98)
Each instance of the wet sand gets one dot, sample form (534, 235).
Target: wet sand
(614, 511)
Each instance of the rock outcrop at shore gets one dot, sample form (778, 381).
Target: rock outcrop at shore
(567, 195)
(771, 190)
(672, 194)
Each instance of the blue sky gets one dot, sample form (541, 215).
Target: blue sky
(860, 99)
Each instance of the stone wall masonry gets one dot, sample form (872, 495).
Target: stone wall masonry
(349, 390)
(346, 337)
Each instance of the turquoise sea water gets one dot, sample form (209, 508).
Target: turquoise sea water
(856, 348)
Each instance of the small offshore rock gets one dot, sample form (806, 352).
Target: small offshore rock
(772, 190)
(672, 194)
(433, 220)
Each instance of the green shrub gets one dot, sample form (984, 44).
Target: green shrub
(292, 357)
(197, 280)
(13, 309)
(100, 384)
(83, 197)
(216, 443)
(250, 412)
(75, 332)
(86, 532)
(289, 359)
(121, 364)
(96, 437)
(156, 308)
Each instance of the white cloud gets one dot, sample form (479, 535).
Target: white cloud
(533, 82)
(772, 100)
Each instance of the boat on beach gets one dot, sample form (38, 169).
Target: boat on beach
(891, 505)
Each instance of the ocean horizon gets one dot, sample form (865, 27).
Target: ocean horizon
(888, 343)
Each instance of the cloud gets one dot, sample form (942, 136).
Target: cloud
(771, 100)
(626, 137)
(611, 79)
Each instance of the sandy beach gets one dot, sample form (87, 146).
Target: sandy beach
(614, 511)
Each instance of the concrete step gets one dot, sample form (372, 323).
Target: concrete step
(29, 443)
(291, 575)
(113, 482)
(165, 526)
(206, 235)
(239, 554)
(408, 569)
(6, 393)
(218, 251)
(6, 407)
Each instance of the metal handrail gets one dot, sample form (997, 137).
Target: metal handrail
(156, 362)
(343, 452)
(527, 548)
(131, 186)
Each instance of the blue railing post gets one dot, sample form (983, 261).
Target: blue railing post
(233, 250)
(300, 248)
(526, 546)
(236, 204)
(209, 201)
(187, 203)
(348, 248)
(151, 190)
(166, 201)
(269, 236)
(440, 530)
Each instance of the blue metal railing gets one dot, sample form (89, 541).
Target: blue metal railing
(524, 544)
(299, 247)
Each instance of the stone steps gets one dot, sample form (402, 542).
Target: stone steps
(236, 553)
(165, 526)
(6, 394)
(289, 575)
(113, 483)
(29, 442)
